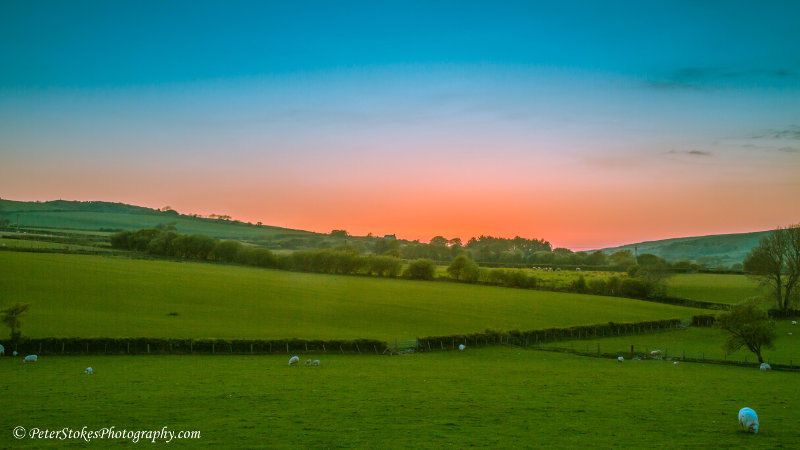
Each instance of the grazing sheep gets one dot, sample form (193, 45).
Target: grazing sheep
(676, 362)
(765, 367)
(2, 350)
(794, 322)
(14, 353)
(461, 347)
(88, 370)
(294, 360)
(315, 362)
(655, 354)
(748, 419)
(308, 362)
(30, 359)
(620, 359)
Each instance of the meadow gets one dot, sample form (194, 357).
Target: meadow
(100, 296)
(717, 288)
(501, 397)
(693, 342)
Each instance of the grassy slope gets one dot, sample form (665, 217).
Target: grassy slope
(485, 398)
(97, 215)
(724, 249)
(91, 296)
(718, 288)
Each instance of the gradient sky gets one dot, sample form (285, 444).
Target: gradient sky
(588, 124)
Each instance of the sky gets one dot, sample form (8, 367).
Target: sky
(587, 124)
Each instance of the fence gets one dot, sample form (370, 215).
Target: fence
(135, 346)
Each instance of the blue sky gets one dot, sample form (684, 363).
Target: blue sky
(549, 107)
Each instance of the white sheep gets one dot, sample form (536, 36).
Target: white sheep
(88, 371)
(308, 362)
(748, 419)
(620, 359)
(765, 367)
(30, 359)
(14, 353)
(294, 360)
(461, 347)
(315, 362)
(2, 350)
(794, 322)
(655, 354)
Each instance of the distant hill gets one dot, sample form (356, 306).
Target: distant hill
(720, 250)
(107, 216)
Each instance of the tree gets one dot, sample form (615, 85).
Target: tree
(776, 262)
(421, 269)
(463, 269)
(12, 316)
(653, 271)
(749, 326)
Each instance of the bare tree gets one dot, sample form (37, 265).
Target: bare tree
(776, 262)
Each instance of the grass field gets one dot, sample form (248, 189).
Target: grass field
(718, 288)
(498, 397)
(96, 296)
(694, 342)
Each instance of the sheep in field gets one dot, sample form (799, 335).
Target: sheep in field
(294, 360)
(620, 359)
(748, 419)
(461, 347)
(30, 359)
(308, 362)
(794, 322)
(315, 362)
(88, 371)
(655, 354)
(765, 367)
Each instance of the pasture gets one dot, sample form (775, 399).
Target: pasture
(693, 342)
(99, 296)
(717, 288)
(501, 397)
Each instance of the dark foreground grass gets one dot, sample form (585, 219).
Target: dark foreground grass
(498, 397)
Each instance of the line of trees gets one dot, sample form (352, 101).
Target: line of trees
(343, 261)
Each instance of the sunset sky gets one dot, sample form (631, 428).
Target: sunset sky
(588, 124)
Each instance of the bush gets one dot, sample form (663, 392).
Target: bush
(421, 269)
(633, 287)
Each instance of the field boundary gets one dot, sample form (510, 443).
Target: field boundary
(535, 337)
(140, 346)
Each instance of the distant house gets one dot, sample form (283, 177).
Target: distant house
(390, 236)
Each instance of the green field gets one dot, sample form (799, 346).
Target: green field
(498, 397)
(96, 296)
(717, 288)
(693, 342)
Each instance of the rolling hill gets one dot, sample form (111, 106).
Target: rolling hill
(724, 250)
(721, 250)
(107, 216)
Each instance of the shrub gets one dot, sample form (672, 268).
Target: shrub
(421, 269)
